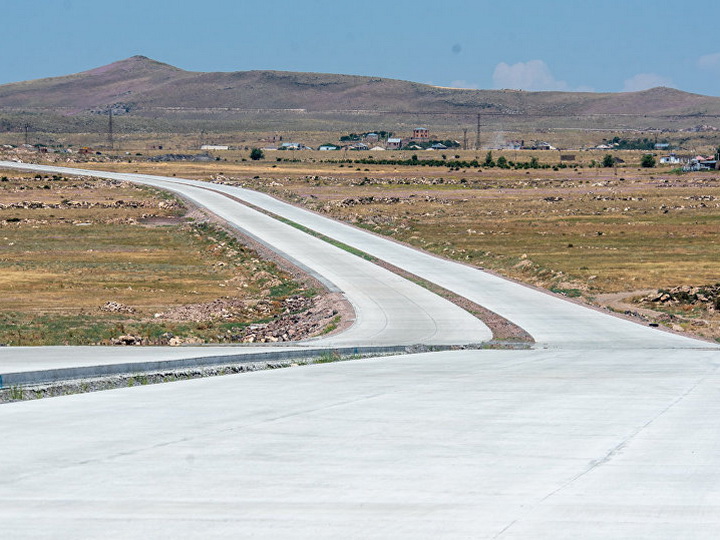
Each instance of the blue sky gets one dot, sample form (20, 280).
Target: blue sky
(613, 45)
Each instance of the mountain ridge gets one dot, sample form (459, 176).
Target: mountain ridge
(145, 87)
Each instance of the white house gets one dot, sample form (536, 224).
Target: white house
(671, 159)
(214, 147)
(293, 146)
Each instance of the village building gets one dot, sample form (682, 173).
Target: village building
(672, 159)
(701, 163)
(294, 146)
(214, 147)
(394, 143)
(421, 133)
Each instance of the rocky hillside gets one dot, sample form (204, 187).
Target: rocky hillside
(143, 87)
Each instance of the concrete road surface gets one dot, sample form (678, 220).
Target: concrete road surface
(550, 320)
(389, 310)
(468, 444)
(607, 429)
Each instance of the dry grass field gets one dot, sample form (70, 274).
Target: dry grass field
(68, 246)
(598, 234)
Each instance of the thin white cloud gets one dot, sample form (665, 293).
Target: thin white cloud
(643, 81)
(534, 75)
(709, 62)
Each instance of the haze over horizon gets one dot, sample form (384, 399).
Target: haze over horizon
(556, 45)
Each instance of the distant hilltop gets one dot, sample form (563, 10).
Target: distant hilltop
(142, 87)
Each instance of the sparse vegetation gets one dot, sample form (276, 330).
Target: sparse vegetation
(85, 243)
(568, 226)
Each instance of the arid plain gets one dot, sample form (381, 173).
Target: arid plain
(607, 236)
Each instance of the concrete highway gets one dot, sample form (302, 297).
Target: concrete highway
(389, 310)
(551, 321)
(605, 429)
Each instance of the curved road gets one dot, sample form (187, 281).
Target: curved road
(607, 429)
(550, 320)
(389, 310)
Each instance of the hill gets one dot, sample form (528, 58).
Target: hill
(144, 88)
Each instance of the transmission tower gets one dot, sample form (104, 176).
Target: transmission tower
(477, 134)
(464, 139)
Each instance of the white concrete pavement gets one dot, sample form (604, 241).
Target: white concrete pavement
(607, 429)
(538, 444)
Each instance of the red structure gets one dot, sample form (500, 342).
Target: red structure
(421, 133)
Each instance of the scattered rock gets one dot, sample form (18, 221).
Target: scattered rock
(302, 317)
(705, 296)
(128, 340)
(221, 309)
(177, 341)
(116, 307)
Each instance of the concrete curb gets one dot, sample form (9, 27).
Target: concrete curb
(54, 375)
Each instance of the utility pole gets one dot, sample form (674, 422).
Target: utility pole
(465, 139)
(477, 134)
(110, 130)
(26, 127)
